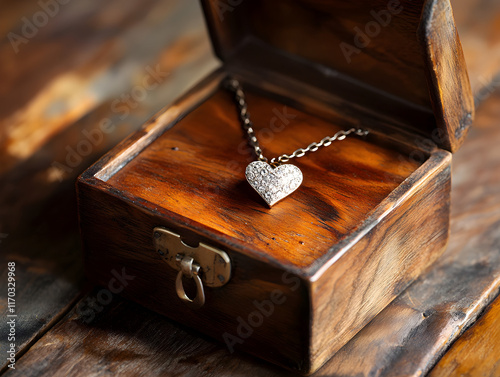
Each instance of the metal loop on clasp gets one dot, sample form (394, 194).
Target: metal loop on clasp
(189, 269)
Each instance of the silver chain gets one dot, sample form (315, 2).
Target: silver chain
(234, 86)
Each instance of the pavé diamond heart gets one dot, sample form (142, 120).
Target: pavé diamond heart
(273, 184)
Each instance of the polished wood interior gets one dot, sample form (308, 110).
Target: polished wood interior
(342, 183)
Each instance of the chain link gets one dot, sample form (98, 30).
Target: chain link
(234, 86)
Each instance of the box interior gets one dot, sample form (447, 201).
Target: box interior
(195, 169)
(366, 52)
(399, 58)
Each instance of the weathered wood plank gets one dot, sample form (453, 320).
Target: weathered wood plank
(478, 198)
(56, 91)
(479, 28)
(126, 339)
(107, 61)
(477, 352)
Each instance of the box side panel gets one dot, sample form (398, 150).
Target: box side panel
(382, 263)
(262, 310)
(447, 76)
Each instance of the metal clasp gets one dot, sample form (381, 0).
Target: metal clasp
(190, 270)
(205, 264)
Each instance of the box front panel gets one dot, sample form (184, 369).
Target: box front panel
(262, 310)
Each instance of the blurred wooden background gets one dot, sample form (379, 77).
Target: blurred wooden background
(77, 65)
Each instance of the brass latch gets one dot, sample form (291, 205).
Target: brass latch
(205, 264)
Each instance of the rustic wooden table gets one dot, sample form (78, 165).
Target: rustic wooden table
(67, 67)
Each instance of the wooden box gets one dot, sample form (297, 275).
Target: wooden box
(372, 213)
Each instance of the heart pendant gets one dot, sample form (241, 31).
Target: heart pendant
(273, 184)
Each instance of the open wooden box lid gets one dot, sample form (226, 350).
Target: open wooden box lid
(401, 59)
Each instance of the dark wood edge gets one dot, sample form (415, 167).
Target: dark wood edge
(446, 71)
(208, 17)
(436, 163)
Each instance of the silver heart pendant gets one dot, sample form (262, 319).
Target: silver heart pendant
(273, 184)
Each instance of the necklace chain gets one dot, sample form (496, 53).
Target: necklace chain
(234, 86)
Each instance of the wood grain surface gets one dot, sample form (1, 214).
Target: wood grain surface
(407, 338)
(355, 174)
(478, 25)
(447, 74)
(334, 34)
(56, 89)
(123, 337)
(477, 351)
(380, 265)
